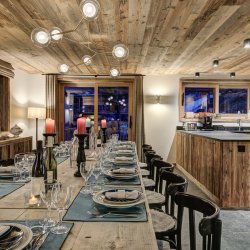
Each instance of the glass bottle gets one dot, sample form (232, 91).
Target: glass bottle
(50, 163)
(38, 170)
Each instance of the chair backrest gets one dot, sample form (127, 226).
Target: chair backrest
(157, 165)
(146, 146)
(209, 226)
(149, 156)
(144, 150)
(173, 183)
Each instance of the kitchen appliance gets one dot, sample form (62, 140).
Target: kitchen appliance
(206, 122)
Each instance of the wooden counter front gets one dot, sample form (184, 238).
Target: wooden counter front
(12, 146)
(220, 168)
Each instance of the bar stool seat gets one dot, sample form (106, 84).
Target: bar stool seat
(148, 183)
(145, 172)
(162, 222)
(154, 198)
(163, 245)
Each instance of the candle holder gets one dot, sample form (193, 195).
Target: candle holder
(104, 135)
(81, 153)
(46, 135)
(87, 140)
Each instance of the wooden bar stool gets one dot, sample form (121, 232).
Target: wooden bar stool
(209, 226)
(165, 223)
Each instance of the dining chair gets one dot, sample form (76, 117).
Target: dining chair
(149, 183)
(156, 199)
(210, 225)
(164, 222)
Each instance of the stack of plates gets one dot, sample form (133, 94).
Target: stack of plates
(100, 198)
(14, 236)
(120, 176)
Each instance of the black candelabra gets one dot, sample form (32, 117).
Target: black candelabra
(81, 153)
(87, 140)
(104, 135)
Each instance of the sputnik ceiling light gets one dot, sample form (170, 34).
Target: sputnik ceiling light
(90, 9)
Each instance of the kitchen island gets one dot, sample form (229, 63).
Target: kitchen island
(219, 163)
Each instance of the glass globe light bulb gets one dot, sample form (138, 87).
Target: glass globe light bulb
(56, 34)
(90, 9)
(120, 52)
(87, 60)
(114, 72)
(63, 68)
(40, 37)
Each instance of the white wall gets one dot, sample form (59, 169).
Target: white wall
(26, 90)
(161, 119)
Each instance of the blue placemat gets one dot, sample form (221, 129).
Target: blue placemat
(110, 181)
(53, 241)
(6, 189)
(83, 203)
(61, 159)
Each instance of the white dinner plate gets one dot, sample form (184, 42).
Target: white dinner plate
(27, 235)
(110, 173)
(100, 198)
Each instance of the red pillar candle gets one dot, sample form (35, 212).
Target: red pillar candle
(103, 123)
(49, 126)
(81, 125)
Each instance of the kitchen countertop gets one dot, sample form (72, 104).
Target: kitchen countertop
(220, 135)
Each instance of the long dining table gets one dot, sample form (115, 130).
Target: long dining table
(84, 235)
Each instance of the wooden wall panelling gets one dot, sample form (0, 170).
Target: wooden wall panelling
(4, 103)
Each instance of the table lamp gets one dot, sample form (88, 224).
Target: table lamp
(36, 113)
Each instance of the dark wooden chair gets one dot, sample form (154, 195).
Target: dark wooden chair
(156, 199)
(146, 146)
(209, 227)
(144, 150)
(149, 183)
(165, 223)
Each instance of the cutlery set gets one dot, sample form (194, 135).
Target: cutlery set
(11, 238)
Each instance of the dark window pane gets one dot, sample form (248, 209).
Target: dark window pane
(199, 100)
(233, 100)
(113, 106)
(78, 100)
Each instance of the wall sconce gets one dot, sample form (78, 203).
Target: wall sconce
(215, 63)
(232, 74)
(157, 99)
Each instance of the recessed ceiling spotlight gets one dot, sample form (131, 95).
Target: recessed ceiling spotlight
(63, 68)
(197, 74)
(40, 37)
(120, 52)
(215, 63)
(55, 34)
(90, 9)
(87, 59)
(232, 74)
(114, 72)
(246, 43)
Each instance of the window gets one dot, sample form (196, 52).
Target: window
(199, 100)
(225, 100)
(232, 101)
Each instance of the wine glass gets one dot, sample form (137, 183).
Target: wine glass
(47, 198)
(19, 161)
(86, 171)
(29, 160)
(96, 172)
(61, 200)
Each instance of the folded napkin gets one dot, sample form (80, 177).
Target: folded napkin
(125, 151)
(122, 194)
(124, 171)
(123, 158)
(6, 169)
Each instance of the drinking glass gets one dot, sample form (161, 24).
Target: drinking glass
(47, 198)
(86, 171)
(61, 200)
(19, 162)
(29, 161)
(96, 172)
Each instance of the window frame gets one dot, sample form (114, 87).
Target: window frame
(217, 85)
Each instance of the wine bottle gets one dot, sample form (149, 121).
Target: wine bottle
(99, 137)
(50, 163)
(38, 170)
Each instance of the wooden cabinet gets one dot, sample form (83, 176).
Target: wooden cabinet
(10, 147)
(220, 167)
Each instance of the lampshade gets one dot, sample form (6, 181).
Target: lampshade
(34, 112)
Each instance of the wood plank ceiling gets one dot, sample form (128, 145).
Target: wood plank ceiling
(163, 36)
